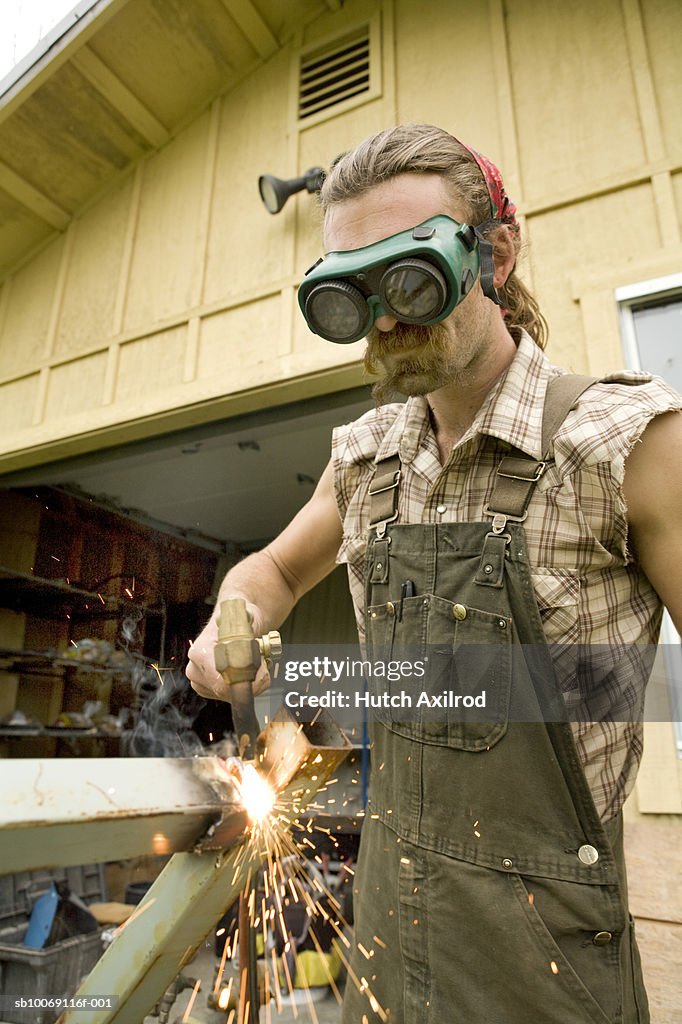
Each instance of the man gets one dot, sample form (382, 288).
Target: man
(491, 880)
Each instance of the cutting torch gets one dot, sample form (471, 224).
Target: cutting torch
(238, 657)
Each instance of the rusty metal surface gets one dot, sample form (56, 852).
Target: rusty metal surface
(65, 812)
(318, 748)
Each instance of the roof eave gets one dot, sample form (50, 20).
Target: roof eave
(53, 50)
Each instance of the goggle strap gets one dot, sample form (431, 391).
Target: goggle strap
(485, 249)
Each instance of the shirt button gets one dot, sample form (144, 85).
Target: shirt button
(459, 611)
(602, 938)
(440, 509)
(588, 855)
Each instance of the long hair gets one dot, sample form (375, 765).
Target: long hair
(423, 148)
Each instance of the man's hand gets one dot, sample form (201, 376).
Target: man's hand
(201, 670)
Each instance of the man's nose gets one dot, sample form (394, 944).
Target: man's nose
(385, 323)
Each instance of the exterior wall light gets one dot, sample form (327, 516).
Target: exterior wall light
(275, 191)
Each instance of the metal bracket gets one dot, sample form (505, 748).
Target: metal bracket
(539, 470)
(500, 519)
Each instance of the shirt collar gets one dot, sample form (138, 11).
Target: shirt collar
(512, 411)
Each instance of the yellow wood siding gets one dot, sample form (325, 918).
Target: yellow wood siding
(89, 302)
(594, 234)
(17, 402)
(165, 253)
(250, 139)
(28, 300)
(24, 226)
(176, 289)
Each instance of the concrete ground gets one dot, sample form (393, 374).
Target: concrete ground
(203, 967)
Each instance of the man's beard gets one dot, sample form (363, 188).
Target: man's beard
(431, 367)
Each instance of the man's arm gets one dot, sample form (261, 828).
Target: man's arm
(653, 493)
(271, 581)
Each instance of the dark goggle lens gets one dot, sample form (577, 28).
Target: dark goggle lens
(337, 311)
(414, 290)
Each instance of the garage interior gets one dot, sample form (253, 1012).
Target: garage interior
(110, 561)
(109, 565)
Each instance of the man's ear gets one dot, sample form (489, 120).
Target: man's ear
(504, 253)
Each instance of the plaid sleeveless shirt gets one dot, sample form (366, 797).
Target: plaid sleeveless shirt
(588, 586)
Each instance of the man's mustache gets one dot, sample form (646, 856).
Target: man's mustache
(404, 336)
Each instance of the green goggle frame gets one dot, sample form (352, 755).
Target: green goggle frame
(417, 276)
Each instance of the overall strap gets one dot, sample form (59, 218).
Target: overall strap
(517, 475)
(562, 395)
(383, 494)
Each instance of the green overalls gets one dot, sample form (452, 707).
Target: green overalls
(489, 891)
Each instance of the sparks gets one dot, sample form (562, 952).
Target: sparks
(153, 665)
(139, 909)
(257, 794)
(160, 843)
(290, 877)
(191, 1001)
(224, 997)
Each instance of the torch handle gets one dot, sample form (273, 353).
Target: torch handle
(249, 996)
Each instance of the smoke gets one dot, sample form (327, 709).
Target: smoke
(166, 710)
(129, 628)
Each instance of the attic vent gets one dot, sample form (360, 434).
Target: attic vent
(334, 74)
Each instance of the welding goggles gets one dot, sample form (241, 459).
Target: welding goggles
(417, 276)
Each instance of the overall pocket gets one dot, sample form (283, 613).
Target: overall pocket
(448, 671)
(573, 931)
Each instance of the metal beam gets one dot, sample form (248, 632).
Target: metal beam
(66, 812)
(184, 903)
(63, 812)
(34, 200)
(120, 96)
(252, 25)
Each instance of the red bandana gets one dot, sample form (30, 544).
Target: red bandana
(502, 208)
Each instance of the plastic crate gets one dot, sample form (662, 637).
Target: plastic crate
(56, 970)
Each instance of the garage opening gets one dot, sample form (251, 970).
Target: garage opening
(109, 564)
